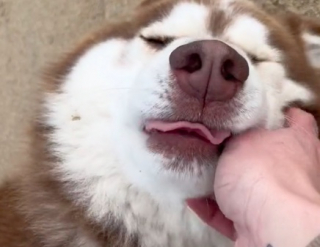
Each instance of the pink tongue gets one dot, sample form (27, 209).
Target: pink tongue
(216, 137)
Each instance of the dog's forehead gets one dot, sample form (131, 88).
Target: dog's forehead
(183, 19)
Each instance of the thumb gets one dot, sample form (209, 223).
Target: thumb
(208, 211)
(302, 121)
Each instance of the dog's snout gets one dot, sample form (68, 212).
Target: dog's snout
(209, 70)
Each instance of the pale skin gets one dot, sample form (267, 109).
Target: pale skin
(267, 186)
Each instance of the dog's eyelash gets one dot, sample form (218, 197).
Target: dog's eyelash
(157, 41)
(255, 60)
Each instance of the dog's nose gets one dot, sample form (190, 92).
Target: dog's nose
(209, 70)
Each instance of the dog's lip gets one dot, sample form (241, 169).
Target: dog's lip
(215, 137)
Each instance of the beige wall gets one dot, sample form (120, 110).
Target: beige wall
(34, 32)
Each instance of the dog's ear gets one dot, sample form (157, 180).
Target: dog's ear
(307, 31)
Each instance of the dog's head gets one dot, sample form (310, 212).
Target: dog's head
(158, 95)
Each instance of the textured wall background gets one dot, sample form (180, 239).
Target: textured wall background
(34, 32)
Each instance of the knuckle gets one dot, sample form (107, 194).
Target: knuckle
(309, 117)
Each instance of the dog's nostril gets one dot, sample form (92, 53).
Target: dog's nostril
(193, 63)
(209, 70)
(226, 70)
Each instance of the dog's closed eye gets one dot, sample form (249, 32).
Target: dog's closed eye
(158, 42)
(255, 59)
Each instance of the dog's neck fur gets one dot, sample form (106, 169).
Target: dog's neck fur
(130, 219)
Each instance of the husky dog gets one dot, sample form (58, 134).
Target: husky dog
(133, 120)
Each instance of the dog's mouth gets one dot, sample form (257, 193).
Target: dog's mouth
(187, 129)
(185, 139)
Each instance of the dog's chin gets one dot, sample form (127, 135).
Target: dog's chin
(183, 148)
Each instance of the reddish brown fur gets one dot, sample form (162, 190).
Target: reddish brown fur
(296, 60)
(13, 227)
(38, 211)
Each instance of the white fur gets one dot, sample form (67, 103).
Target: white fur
(114, 88)
(251, 36)
(175, 26)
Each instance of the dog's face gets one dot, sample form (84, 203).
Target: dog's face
(159, 97)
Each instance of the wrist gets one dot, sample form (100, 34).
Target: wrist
(290, 221)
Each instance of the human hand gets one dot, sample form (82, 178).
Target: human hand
(266, 184)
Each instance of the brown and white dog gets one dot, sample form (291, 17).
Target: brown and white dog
(134, 118)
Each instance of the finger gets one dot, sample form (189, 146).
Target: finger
(243, 143)
(208, 211)
(302, 120)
